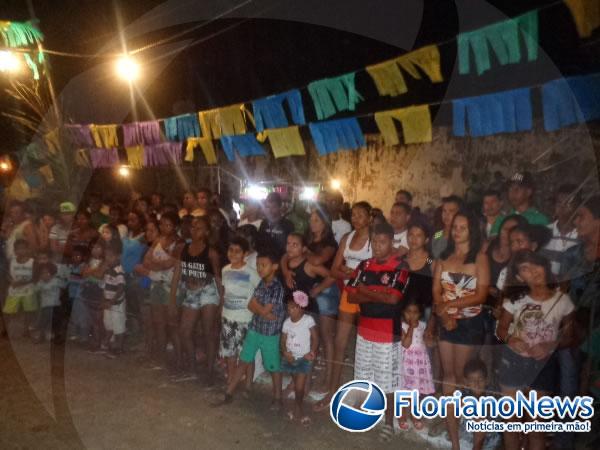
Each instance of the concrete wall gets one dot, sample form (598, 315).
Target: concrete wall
(465, 166)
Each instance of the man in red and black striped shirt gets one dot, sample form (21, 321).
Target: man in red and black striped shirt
(378, 286)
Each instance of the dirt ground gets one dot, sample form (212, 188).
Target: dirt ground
(61, 397)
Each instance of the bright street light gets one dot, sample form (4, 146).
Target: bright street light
(336, 184)
(257, 192)
(127, 68)
(124, 171)
(9, 62)
(309, 193)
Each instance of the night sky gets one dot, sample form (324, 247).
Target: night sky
(235, 59)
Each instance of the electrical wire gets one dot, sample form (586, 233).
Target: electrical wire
(196, 27)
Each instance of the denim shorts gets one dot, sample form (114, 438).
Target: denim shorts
(198, 298)
(468, 331)
(299, 366)
(329, 301)
(520, 372)
(160, 292)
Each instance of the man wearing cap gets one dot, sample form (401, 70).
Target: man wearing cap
(60, 231)
(520, 196)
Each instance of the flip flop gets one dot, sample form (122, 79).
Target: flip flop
(322, 404)
(403, 425)
(306, 421)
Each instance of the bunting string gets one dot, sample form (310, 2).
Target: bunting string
(505, 42)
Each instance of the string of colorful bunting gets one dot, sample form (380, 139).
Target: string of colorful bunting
(564, 102)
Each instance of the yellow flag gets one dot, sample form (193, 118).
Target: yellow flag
(105, 136)
(208, 149)
(46, 172)
(82, 158)
(223, 121)
(415, 120)
(285, 141)
(388, 77)
(19, 189)
(52, 141)
(586, 15)
(427, 59)
(135, 156)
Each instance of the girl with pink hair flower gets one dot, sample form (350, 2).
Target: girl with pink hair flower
(299, 343)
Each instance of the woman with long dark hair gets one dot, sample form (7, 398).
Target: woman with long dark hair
(460, 287)
(354, 248)
(322, 246)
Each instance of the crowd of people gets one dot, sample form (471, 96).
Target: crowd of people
(489, 300)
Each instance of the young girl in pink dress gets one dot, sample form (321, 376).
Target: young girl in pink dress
(415, 359)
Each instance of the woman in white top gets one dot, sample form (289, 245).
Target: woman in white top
(537, 320)
(354, 248)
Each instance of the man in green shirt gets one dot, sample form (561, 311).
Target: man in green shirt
(520, 196)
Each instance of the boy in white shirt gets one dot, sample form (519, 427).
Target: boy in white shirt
(239, 281)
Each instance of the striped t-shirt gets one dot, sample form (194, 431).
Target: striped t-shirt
(114, 278)
(381, 322)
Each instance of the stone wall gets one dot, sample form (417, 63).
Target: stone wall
(464, 166)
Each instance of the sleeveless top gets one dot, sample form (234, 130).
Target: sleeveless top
(456, 286)
(421, 284)
(305, 283)
(495, 269)
(354, 257)
(162, 255)
(196, 269)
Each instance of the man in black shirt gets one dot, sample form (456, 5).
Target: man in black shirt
(274, 230)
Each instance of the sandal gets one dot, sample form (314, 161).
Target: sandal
(322, 404)
(306, 421)
(386, 432)
(403, 425)
(290, 415)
